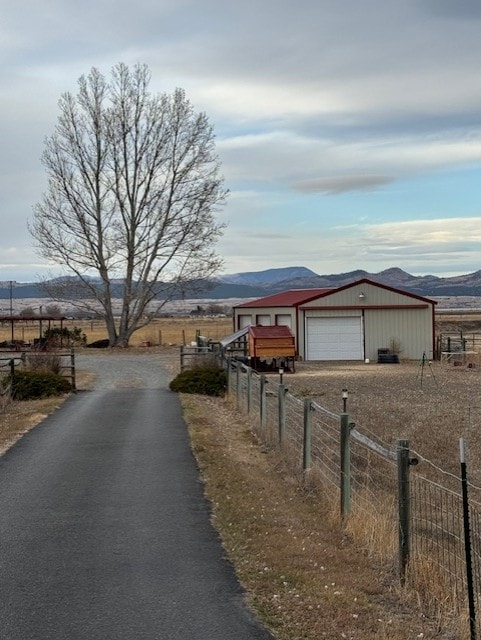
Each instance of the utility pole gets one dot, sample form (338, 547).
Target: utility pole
(11, 308)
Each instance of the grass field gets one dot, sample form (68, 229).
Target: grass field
(163, 331)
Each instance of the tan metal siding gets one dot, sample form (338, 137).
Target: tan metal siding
(272, 312)
(372, 296)
(410, 328)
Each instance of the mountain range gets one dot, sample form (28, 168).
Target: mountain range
(256, 284)
(275, 280)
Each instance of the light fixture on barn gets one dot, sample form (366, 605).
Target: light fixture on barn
(361, 296)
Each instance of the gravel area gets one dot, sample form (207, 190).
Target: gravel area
(114, 370)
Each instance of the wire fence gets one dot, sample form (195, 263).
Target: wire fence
(385, 496)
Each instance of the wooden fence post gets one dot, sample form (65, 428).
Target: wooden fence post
(263, 403)
(12, 370)
(403, 507)
(307, 444)
(228, 362)
(182, 358)
(72, 370)
(345, 465)
(249, 389)
(237, 381)
(282, 413)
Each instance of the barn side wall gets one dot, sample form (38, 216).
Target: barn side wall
(390, 319)
(407, 332)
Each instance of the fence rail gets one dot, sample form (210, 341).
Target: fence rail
(418, 521)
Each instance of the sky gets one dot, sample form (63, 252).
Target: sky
(349, 132)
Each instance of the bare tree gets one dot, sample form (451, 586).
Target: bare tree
(133, 188)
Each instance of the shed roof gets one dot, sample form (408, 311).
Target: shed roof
(291, 298)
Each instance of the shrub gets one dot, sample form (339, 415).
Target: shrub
(210, 381)
(65, 337)
(44, 362)
(29, 385)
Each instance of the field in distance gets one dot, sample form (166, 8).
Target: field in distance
(161, 332)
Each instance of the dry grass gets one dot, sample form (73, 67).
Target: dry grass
(391, 402)
(301, 572)
(162, 331)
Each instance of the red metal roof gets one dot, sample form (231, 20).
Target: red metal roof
(270, 331)
(291, 298)
(298, 297)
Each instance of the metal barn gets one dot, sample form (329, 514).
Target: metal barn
(357, 321)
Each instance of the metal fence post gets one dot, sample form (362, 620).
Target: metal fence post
(467, 541)
(263, 402)
(281, 391)
(403, 507)
(307, 445)
(345, 465)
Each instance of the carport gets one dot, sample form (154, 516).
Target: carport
(20, 322)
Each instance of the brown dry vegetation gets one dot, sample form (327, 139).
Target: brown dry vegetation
(163, 331)
(431, 406)
(302, 573)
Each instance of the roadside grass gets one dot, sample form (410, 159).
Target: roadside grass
(302, 573)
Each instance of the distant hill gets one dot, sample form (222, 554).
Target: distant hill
(268, 277)
(256, 284)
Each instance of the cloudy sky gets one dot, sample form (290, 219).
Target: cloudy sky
(349, 132)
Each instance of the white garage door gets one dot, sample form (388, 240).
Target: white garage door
(334, 338)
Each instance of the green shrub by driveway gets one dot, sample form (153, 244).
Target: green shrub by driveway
(29, 385)
(210, 381)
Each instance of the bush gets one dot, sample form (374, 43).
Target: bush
(210, 381)
(65, 337)
(44, 361)
(30, 385)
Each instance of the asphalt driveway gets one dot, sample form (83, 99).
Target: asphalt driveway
(104, 530)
